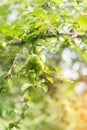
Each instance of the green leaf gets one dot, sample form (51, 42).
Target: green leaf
(11, 125)
(45, 88)
(57, 69)
(39, 12)
(25, 86)
(84, 55)
(1, 47)
(8, 38)
(57, 1)
(82, 20)
(50, 79)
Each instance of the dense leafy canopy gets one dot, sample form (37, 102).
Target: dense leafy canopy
(43, 48)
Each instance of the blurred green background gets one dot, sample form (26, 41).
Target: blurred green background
(64, 105)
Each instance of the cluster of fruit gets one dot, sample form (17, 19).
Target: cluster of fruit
(34, 66)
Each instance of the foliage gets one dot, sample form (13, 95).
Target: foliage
(40, 41)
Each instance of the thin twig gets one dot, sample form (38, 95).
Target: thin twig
(59, 78)
(56, 77)
(11, 68)
(14, 62)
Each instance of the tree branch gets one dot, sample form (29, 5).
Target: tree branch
(73, 35)
(50, 35)
(18, 43)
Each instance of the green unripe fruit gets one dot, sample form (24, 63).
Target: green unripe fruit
(31, 75)
(31, 61)
(38, 51)
(34, 65)
(34, 59)
(39, 67)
